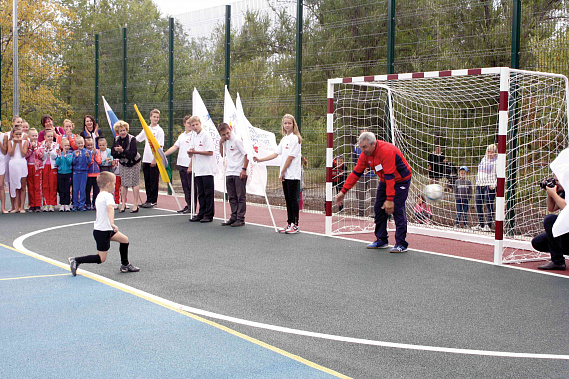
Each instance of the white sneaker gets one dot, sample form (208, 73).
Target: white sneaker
(476, 227)
(284, 230)
(487, 228)
(292, 230)
(44, 208)
(51, 208)
(62, 208)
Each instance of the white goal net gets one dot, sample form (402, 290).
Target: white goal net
(513, 120)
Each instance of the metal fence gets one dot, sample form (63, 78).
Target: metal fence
(339, 39)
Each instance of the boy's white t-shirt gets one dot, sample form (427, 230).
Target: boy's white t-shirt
(289, 146)
(158, 133)
(235, 153)
(184, 142)
(104, 199)
(204, 165)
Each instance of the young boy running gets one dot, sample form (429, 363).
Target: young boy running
(105, 230)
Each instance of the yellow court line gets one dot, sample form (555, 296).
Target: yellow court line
(195, 317)
(36, 276)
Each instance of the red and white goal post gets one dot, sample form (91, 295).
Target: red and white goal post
(524, 113)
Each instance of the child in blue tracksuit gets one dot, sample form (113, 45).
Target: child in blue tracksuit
(81, 161)
(64, 161)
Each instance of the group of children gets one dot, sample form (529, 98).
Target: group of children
(49, 163)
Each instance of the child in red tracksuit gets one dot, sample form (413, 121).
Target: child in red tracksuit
(49, 174)
(92, 172)
(35, 170)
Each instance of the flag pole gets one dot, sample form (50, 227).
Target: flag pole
(269, 207)
(192, 201)
(175, 196)
(224, 180)
(271, 212)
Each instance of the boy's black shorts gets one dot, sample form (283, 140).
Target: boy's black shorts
(103, 239)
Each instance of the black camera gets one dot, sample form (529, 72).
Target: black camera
(549, 182)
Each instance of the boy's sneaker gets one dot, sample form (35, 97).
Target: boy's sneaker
(51, 208)
(378, 245)
(129, 268)
(62, 208)
(293, 229)
(476, 227)
(72, 265)
(284, 230)
(398, 249)
(487, 228)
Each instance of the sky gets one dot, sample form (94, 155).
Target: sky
(175, 7)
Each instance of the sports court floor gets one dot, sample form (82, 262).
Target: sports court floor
(219, 302)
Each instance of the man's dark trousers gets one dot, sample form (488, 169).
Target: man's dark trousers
(151, 175)
(399, 213)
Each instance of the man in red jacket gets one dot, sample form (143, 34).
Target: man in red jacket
(394, 175)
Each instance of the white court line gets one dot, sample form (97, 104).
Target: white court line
(18, 244)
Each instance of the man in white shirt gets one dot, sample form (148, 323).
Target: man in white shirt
(149, 168)
(235, 174)
(204, 168)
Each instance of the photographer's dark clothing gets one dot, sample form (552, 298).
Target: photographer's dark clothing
(546, 243)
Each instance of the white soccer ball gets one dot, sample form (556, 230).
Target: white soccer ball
(433, 192)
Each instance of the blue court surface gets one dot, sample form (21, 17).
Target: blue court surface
(56, 325)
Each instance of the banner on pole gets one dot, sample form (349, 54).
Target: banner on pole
(199, 109)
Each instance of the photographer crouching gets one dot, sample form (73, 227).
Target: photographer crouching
(546, 242)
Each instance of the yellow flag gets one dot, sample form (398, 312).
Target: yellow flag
(157, 151)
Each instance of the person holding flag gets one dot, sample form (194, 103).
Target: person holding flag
(235, 175)
(204, 169)
(149, 168)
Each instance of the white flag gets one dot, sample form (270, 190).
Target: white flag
(560, 167)
(199, 109)
(262, 143)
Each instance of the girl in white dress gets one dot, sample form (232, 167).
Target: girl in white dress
(17, 149)
(3, 152)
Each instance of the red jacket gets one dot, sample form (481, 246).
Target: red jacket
(94, 170)
(388, 163)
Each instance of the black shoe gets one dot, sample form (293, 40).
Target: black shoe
(238, 223)
(186, 211)
(229, 222)
(134, 210)
(152, 205)
(146, 205)
(206, 219)
(72, 266)
(196, 219)
(182, 210)
(552, 266)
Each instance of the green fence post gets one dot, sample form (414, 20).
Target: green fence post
(390, 62)
(298, 87)
(97, 79)
(227, 44)
(170, 93)
(391, 36)
(124, 73)
(511, 164)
